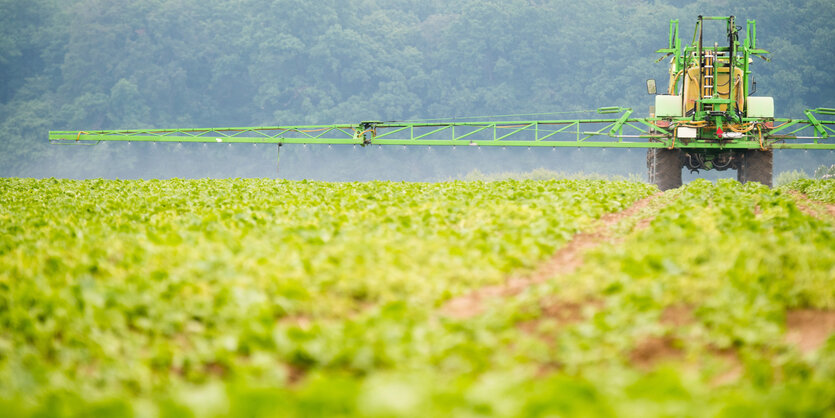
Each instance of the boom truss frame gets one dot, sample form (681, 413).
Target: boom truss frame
(621, 131)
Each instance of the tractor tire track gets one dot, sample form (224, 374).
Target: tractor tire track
(565, 261)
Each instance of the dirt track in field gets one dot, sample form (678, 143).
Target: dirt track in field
(812, 207)
(808, 329)
(565, 261)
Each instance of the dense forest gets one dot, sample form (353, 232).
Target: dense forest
(105, 64)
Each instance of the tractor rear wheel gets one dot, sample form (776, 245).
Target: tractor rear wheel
(664, 167)
(756, 166)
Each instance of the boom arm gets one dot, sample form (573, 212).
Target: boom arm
(622, 131)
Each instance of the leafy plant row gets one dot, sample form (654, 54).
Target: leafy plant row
(821, 190)
(691, 316)
(166, 295)
(261, 297)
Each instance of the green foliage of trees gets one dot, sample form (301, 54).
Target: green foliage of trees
(99, 64)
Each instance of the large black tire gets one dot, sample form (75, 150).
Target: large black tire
(756, 166)
(664, 168)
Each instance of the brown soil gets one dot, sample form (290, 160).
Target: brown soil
(810, 207)
(808, 329)
(565, 261)
(216, 369)
(677, 316)
(295, 374)
(562, 312)
(734, 370)
(653, 350)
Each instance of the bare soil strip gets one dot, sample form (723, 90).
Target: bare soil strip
(812, 207)
(565, 261)
(561, 313)
(808, 329)
(653, 350)
(668, 348)
(733, 371)
(677, 316)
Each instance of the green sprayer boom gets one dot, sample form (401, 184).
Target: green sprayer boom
(621, 132)
(707, 119)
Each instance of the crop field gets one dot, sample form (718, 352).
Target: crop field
(171, 298)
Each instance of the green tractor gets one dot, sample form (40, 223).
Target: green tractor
(710, 101)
